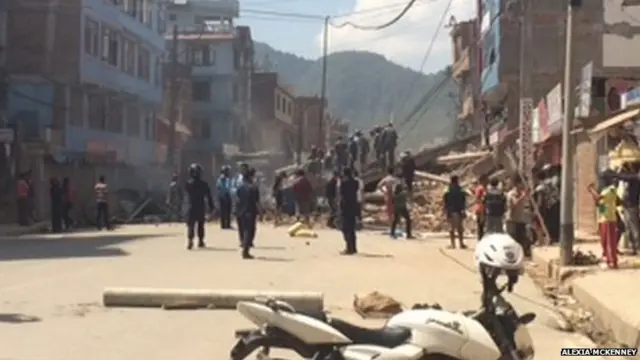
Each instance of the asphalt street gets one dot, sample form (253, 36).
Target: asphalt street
(51, 286)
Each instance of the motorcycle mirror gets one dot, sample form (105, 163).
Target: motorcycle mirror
(526, 318)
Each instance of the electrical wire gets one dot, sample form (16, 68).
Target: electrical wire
(283, 14)
(427, 54)
(378, 27)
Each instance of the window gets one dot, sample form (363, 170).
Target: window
(140, 10)
(110, 46)
(129, 61)
(133, 120)
(172, 17)
(205, 129)
(116, 114)
(91, 37)
(202, 55)
(144, 59)
(278, 102)
(161, 21)
(131, 7)
(148, 13)
(284, 104)
(97, 112)
(234, 93)
(197, 56)
(289, 108)
(201, 91)
(148, 124)
(157, 72)
(76, 108)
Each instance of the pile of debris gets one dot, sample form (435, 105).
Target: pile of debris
(426, 207)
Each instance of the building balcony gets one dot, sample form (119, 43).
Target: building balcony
(462, 65)
(98, 72)
(230, 8)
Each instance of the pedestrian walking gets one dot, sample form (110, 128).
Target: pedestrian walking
(455, 205)
(68, 199)
(237, 182)
(517, 215)
(224, 186)
(606, 202)
(349, 211)
(408, 165)
(360, 198)
(277, 191)
(401, 211)
(495, 207)
(248, 210)
(341, 151)
(198, 192)
(386, 186)
(102, 204)
(303, 192)
(479, 193)
(331, 193)
(55, 200)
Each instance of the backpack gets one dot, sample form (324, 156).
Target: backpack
(495, 204)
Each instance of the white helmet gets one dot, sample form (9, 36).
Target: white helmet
(499, 251)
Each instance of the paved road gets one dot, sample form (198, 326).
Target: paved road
(51, 288)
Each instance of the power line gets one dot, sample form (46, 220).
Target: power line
(283, 14)
(426, 98)
(427, 54)
(379, 27)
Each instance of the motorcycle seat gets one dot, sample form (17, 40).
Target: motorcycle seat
(388, 337)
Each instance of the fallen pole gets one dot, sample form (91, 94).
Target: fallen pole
(200, 298)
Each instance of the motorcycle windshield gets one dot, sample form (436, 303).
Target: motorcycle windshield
(524, 343)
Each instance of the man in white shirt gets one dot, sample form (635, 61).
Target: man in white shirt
(386, 186)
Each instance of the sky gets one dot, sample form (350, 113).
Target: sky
(406, 42)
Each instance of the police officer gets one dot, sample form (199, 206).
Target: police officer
(197, 190)
(349, 210)
(248, 209)
(224, 185)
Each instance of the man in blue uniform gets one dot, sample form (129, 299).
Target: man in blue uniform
(224, 185)
(197, 191)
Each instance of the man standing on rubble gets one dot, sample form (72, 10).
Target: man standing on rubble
(390, 139)
(198, 192)
(224, 186)
(364, 149)
(341, 152)
(386, 186)
(349, 211)
(354, 142)
(376, 135)
(455, 206)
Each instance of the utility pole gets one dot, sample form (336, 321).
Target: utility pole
(323, 88)
(566, 187)
(526, 97)
(173, 98)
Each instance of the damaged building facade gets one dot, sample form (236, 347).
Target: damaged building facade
(465, 73)
(221, 58)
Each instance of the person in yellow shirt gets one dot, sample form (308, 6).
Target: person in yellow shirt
(607, 201)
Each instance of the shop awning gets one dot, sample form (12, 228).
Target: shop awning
(615, 120)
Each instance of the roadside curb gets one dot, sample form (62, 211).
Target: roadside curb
(584, 291)
(23, 230)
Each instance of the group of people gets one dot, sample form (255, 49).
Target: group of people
(61, 196)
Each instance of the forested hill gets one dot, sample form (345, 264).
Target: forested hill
(367, 89)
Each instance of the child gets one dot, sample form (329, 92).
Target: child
(400, 209)
(606, 201)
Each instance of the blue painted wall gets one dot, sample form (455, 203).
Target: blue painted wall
(94, 70)
(30, 105)
(491, 43)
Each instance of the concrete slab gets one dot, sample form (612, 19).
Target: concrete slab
(51, 288)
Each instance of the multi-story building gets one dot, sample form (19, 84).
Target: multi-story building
(176, 84)
(221, 57)
(464, 72)
(273, 108)
(87, 71)
(313, 131)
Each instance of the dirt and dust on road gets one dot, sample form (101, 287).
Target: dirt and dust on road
(52, 285)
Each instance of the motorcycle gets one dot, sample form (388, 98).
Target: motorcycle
(495, 332)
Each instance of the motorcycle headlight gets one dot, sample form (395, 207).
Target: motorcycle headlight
(524, 343)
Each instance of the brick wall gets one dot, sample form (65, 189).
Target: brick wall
(585, 174)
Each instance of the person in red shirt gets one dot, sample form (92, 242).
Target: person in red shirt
(303, 190)
(478, 208)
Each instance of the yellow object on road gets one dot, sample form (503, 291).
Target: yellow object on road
(305, 233)
(295, 228)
